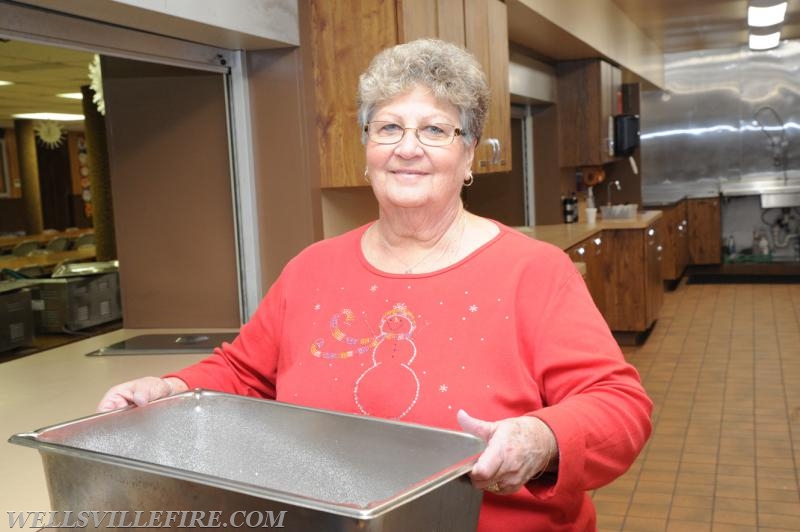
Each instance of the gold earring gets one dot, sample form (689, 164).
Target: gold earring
(366, 175)
(469, 180)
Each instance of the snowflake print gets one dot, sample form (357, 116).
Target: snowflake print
(373, 288)
(442, 388)
(473, 308)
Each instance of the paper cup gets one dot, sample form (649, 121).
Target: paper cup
(591, 215)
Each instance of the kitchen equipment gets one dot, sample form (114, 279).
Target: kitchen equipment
(612, 212)
(203, 450)
(167, 344)
(75, 303)
(16, 316)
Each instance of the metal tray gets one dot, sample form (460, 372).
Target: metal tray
(226, 453)
(166, 344)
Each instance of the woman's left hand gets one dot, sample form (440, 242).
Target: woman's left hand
(517, 450)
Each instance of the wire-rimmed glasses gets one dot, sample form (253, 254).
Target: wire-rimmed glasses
(435, 135)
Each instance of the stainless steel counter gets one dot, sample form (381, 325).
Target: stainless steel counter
(57, 385)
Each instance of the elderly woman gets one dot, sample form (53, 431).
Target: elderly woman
(436, 316)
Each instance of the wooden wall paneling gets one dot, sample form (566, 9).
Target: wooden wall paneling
(548, 176)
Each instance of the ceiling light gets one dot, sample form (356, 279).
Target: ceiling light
(71, 95)
(6, 82)
(63, 117)
(765, 42)
(762, 16)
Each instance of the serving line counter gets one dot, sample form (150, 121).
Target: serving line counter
(57, 385)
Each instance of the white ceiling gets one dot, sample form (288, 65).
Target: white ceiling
(40, 72)
(687, 25)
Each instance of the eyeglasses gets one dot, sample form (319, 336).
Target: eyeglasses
(429, 135)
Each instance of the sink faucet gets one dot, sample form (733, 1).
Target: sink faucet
(608, 189)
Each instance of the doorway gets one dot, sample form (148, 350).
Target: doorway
(506, 196)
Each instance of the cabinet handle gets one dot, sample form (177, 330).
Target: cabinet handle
(495, 150)
(581, 250)
(651, 232)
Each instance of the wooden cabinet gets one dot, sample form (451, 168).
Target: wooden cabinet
(591, 253)
(343, 36)
(486, 36)
(705, 232)
(633, 287)
(588, 98)
(675, 254)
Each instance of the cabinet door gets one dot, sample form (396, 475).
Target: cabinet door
(625, 290)
(443, 19)
(486, 35)
(345, 35)
(654, 289)
(705, 232)
(587, 101)
(670, 256)
(683, 238)
(591, 253)
(596, 268)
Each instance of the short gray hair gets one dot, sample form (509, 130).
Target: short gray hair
(450, 72)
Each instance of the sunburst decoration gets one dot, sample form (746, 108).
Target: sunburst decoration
(96, 84)
(49, 132)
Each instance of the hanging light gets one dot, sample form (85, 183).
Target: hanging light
(760, 14)
(765, 18)
(764, 40)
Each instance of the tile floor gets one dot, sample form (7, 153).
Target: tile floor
(722, 366)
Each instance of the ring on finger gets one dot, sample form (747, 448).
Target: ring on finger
(494, 487)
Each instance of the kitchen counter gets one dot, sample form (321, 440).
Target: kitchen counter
(58, 385)
(565, 236)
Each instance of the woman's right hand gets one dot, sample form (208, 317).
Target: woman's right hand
(140, 392)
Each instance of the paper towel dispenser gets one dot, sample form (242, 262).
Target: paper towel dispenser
(626, 134)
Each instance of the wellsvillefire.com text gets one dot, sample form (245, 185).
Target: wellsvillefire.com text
(150, 519)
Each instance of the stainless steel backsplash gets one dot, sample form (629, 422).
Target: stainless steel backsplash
(701, 132)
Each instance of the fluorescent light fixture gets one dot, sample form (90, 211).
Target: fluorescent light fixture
(765, 42)
(5, 82)
(71, 95)
(60, 117)
(761, 17)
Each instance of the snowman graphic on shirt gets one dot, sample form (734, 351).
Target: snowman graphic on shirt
(392, 350)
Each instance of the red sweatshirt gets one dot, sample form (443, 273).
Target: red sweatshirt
(510, 330)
